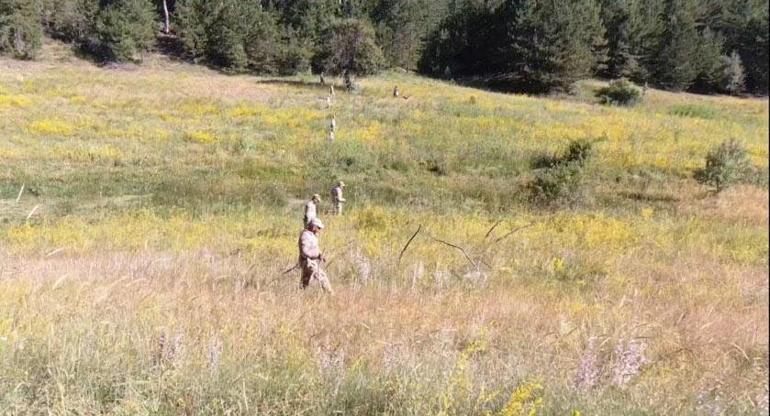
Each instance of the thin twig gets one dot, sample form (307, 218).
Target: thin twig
(409, 242)
(457, 247)
(32, 212)
(21, 191)
(58, 250)
(491, 229)
(295, 267)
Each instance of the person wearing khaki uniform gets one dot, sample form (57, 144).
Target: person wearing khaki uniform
(311, 209)
(337, 198)
(310, 257)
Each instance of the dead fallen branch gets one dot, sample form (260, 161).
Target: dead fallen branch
(401, 254)
(513, 231)
(491, 229)
(465, 253)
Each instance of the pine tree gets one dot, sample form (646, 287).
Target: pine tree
(21, 31)
(225, 44)
(193, 19)
(305, 19)
(710, 62)
(550, 44)
(645, 31)
(71, 20)
(676, 67)
(234, 34)
(621, 62)
(348, 45)
(744, 24)
(125, 28)
(402, 26)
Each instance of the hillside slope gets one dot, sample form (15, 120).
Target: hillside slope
(141, 265)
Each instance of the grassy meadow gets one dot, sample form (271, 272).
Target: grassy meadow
(141, 267)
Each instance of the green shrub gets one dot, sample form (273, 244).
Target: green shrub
(21, 32)
(620, 92)
(579, 151)
(725, 165)
(558, 179)
(558, 185)
(757, 176)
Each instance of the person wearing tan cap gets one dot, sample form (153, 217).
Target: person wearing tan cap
(337, 198)
(310, 257)
(311, 209)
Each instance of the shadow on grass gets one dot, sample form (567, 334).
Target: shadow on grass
(299, 84)
(649, 196)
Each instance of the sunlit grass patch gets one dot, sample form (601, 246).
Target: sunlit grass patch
(202, 137)
(244, 111)
(14, 101)
(198, 108)
(52, 127)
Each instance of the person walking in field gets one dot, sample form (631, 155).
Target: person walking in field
(337, 198)
(311, 209)
(333, 124)
(310, 257)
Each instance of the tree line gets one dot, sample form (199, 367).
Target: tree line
(708, 46)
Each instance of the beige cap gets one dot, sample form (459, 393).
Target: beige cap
(316, 196)
(341, 183)
(315, 222)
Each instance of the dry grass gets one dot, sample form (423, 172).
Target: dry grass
(742, 204)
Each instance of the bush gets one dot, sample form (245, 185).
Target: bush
(620, 92)
(725, 165)
(21, 32)
(579, 152)
(559, 179)
(558, 185)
